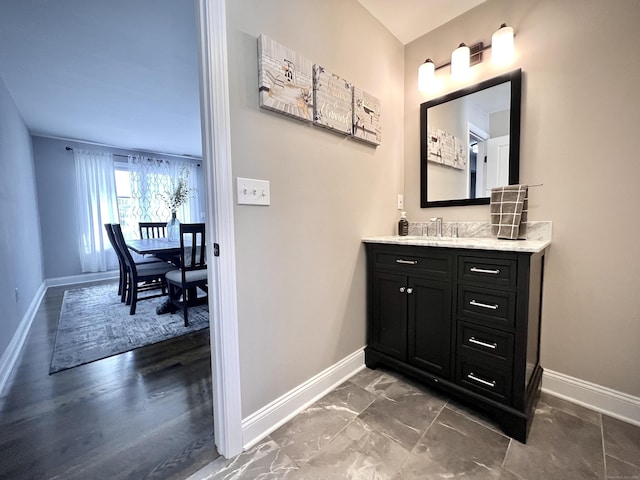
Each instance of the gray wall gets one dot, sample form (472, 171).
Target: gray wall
(300, 262)
(579, 121)
(55, 175)
(20, 239)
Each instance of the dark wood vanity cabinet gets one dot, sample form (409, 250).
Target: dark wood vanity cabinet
(466, 321)
(411, 320)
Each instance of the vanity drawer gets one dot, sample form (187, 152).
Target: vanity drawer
(490, 380)
(486, 306)
(490, 271)
(486, 341)
(420, 262)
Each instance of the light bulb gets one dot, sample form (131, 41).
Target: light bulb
(502, 49)
(460, 62)
(426, 75)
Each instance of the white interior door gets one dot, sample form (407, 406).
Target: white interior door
(497, 164)
(481, 171)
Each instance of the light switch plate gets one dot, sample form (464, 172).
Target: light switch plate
(253, 192)
(400, 201)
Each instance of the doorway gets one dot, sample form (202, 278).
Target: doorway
(476, 174)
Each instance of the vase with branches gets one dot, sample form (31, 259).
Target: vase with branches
(178, 194)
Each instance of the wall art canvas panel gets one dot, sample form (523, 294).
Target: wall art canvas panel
(366, 117)
(460, 158)
(446, 149)
(333, 101)
(285, 80)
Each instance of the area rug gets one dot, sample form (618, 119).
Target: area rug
(94, 324)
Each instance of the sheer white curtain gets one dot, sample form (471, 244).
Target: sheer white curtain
(97, 205)
(150, 178)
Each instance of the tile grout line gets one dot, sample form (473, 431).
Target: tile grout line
(623, 461)
(430, 425)
(469, 416)
(504, 460)
(511, 440)
(604, 452)
(422, 436)
(376, 396)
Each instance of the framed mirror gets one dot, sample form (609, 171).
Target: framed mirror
(470, 142)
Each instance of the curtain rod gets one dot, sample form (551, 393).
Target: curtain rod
(86, 142)
(68, 148)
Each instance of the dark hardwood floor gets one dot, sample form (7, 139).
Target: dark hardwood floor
(142, 414)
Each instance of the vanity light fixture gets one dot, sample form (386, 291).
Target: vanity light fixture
(463, 57)
(426, 75)
(460, 59)
(502, 49)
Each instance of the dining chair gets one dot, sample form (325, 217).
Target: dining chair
(139, 276)
(192, 274)
(122, 282)
(153, 229)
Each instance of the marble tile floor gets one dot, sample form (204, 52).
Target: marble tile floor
(380, 425)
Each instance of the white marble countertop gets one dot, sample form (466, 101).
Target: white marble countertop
(475, 243)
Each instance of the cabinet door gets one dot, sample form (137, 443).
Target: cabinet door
(429, 324)
(389, 315)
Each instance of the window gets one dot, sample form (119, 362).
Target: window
(140, 184)
(123, 193)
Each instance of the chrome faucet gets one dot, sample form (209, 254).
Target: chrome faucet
(438, 221)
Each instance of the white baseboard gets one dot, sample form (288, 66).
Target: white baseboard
(596, 397)
(12, 353)
(261, 423)
(82, 278)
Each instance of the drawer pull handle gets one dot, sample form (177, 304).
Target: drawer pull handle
(471, 376)
(409, 290)
(402, 289)
(493, 345)
(407, 262)
(483, 305)
(483, 270)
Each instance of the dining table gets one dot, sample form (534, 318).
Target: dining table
(163, 248)
(160, 247)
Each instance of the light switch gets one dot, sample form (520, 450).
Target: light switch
(400, 202)
(253, 192)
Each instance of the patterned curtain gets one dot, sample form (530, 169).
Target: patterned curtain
(153, 177)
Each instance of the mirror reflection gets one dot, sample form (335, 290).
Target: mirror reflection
(470, 142)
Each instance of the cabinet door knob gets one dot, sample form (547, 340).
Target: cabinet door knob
(402, 289)
(409, 291)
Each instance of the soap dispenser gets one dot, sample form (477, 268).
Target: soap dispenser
(403, 225)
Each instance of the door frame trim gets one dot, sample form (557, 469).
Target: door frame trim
(216, 155)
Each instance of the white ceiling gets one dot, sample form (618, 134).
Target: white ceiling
(117, 72)
(410, 19)
(125, 73)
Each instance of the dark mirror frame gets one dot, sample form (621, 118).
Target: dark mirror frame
(515, 77)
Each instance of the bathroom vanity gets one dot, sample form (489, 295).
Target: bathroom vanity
(462, 315)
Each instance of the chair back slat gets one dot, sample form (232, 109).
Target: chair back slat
(122, 246)
(112, 240)
(116, 248)
(153, 229)
(193, 246)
